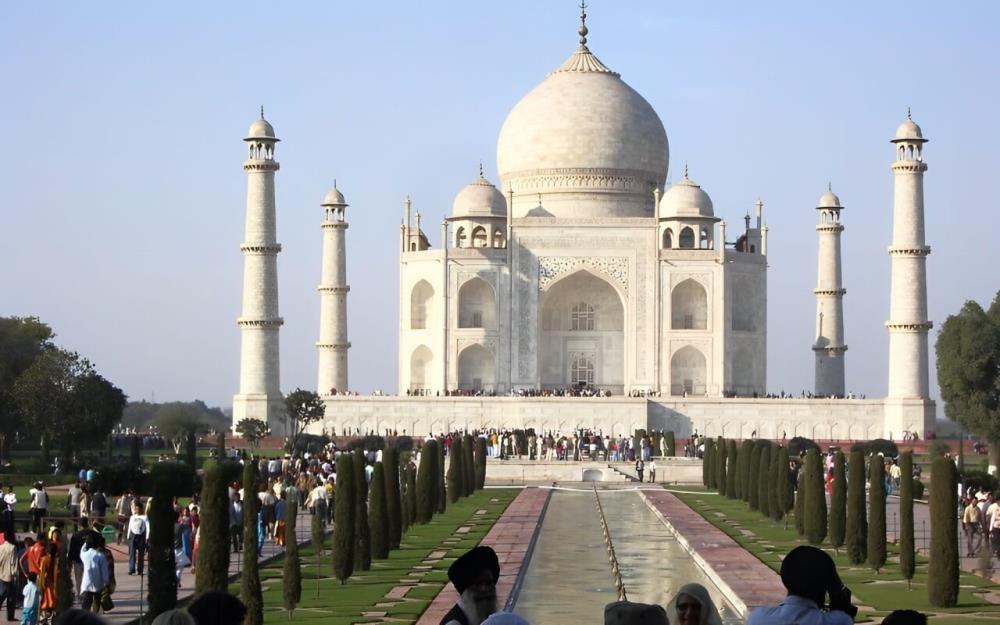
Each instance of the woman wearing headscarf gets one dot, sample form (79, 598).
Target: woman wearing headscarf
(692, 605)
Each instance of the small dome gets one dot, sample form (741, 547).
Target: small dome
(479, 198)
(686, 199)
(334, 198)
(261, 129)
(829, 200)
(909, 131)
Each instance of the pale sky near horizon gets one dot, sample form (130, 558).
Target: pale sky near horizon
(122, 196)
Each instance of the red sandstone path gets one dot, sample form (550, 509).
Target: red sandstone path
(510, 537)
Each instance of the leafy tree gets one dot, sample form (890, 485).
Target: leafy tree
(480, 463)
(454, 472)
(754, 483)
(838, 502)
(250, 590)
(162, 576)
(212, 572)
(378, 517)
(857, 521)
(942, 569)
(303, 409)
(22, 340)
(720, 465)
(732, 471)
(907, 552)
(774, 486)
(427, 479)
(671, 443)
(344, 541)
(763, 479)
(968, 367)
(291, 578)
(876, 513)
(815, 499)
(176, 421)
(63, 398)
(252, 431)
(363, 544)
(393, 501)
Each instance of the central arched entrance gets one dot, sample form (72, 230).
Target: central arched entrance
(582, 334)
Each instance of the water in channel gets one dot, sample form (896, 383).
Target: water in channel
(569, 578)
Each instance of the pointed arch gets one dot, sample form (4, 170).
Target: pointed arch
(498, 241)
(476, 369)
(689, 306)
(421, 305)
(686, 239)
(668, 239)
(420, 368)
(460, 238)
(477, 305)
(688, 372)
(479, 237)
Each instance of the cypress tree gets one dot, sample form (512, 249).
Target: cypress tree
(362, 537)
(213, 554)
(344, 541)
(754, 481)
(857, 520)
(468, 445)
(191, 450)
(745, 456)
(774, 486)
(135, 450)
(708, 463)
(671, 444)
(393, 501)
(411, 495)
(454, 473)
(427, 476)
(405, 519)
(732, 472)
(480, 463)
(838, 502)
(162, 576)
(800, 506)
(876, 513)
(720, 466)
(782, 485)
(942, 568)
(250, 591)
(378, 517)
(318, 544)
(291, 578)
(815, 499)
(907, 555)
(220, 446)
(763, 479)
(441, 495)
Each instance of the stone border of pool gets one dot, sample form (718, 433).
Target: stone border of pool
(746, 581)
(513, 537)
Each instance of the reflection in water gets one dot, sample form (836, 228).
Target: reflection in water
(569, 577)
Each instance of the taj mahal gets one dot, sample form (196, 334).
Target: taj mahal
(581, 291)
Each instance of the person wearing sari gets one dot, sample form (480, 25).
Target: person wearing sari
(692, 605)
(48, 583)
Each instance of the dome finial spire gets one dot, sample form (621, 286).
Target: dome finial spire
(583, 24)
(262, 111)
(686, 170)
(829, 186)
(909, 116)
(481, 176)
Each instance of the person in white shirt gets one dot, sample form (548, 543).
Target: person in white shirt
(138, 534)
(39, 504)
(9, 503)
(808, 574)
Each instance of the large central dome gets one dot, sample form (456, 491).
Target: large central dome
(585, 141)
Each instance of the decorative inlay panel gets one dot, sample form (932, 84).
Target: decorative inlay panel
(489, 343)
(552, 267)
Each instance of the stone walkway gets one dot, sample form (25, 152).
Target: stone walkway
(510, 537)
(744, 579)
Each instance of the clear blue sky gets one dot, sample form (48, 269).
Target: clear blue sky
(123, 193)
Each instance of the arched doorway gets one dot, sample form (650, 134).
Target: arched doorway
(582, 334)
(420, 368)
(421, 305)
(476, 307)
(689, 306)
(688, 372)
(476, 369)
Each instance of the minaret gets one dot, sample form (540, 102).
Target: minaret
(260, 389)
(829, 346)
(908, 324)
(333, 344)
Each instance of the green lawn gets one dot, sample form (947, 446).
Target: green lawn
(876, 594)
(338, 604)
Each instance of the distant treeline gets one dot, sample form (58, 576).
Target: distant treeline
(142, 414)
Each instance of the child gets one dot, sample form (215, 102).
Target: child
(29, 613)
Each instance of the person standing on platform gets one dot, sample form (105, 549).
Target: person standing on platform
(639, 468)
